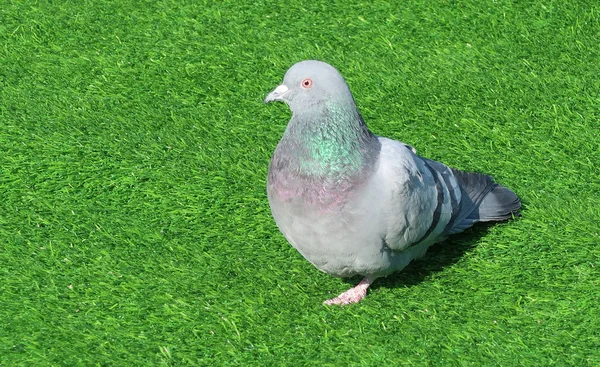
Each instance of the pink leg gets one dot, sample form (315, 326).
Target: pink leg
(352, 295)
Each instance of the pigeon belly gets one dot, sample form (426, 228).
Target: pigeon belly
(329, 228)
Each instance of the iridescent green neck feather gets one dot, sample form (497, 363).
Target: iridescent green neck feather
(329, 140)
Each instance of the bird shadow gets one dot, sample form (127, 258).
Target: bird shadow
(439, 256)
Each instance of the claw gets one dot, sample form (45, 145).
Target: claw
(352, 295)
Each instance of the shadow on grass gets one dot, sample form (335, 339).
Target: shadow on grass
(439, 256)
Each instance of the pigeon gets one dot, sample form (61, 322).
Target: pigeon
(354, 203)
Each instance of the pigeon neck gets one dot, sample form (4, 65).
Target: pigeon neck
(331, 141)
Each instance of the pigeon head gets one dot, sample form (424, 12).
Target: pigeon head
(326, 136)
(308, 84)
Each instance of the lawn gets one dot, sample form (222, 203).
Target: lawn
(134, 145)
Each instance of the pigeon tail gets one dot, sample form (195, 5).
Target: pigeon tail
(499, 204)
(483, 200)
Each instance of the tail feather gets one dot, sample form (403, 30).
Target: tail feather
(482, 200)
(500, 204)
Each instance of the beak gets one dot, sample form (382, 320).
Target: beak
(277, 94)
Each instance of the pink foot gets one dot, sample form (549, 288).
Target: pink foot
(352, 295)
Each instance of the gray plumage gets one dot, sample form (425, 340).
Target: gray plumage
(354, 203)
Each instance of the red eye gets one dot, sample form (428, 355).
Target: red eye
(306, 83)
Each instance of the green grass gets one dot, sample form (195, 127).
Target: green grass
(134, 147)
